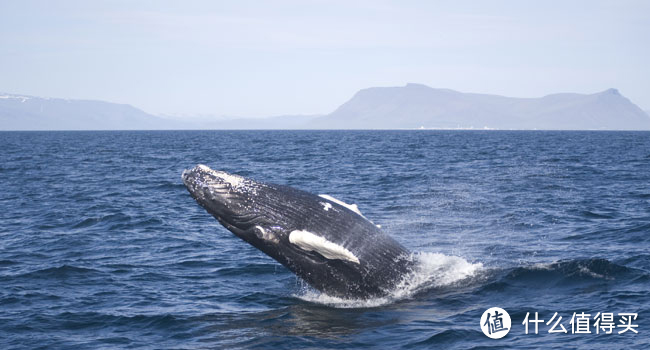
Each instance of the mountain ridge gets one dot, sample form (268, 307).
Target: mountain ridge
(25, 112)
(413, 106)
(419, 106)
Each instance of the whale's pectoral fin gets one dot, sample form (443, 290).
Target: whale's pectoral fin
(309, 241)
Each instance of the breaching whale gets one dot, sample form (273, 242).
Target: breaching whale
(326, 242)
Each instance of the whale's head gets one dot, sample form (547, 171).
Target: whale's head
(276, 219)
(233, 200)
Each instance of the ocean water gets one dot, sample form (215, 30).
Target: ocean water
(102, 247)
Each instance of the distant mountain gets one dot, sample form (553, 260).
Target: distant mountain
(419, 106)
(21, 112)
(408, 107)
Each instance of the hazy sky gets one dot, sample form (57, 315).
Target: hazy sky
(262, 58)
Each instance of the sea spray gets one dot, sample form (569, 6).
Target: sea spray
(430, 270)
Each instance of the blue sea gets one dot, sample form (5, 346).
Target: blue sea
(102, 247)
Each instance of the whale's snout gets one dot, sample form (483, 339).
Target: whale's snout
(219, 192)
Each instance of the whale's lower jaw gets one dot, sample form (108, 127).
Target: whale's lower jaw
(326, 242)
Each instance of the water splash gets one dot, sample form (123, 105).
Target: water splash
(432, 270)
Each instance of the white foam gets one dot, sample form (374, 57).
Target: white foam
(306, 240)
(587, 271)
(431, 270)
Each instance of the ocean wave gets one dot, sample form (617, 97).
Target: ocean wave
(569, 271)
(570, 274)
(64, 271)
(250, 269)
(448, 336)
(100, 320)
(8, 263)
(104, 219)
(167, 185)
(434, 270)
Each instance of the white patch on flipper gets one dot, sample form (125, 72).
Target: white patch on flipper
(326, 206)
(267, 236)
(352, 207)
(306, 240)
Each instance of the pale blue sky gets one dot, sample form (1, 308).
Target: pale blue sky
(262, 58)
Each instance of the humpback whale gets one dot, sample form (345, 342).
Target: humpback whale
(326, 242)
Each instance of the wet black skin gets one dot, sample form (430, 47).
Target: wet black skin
(279, 210)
